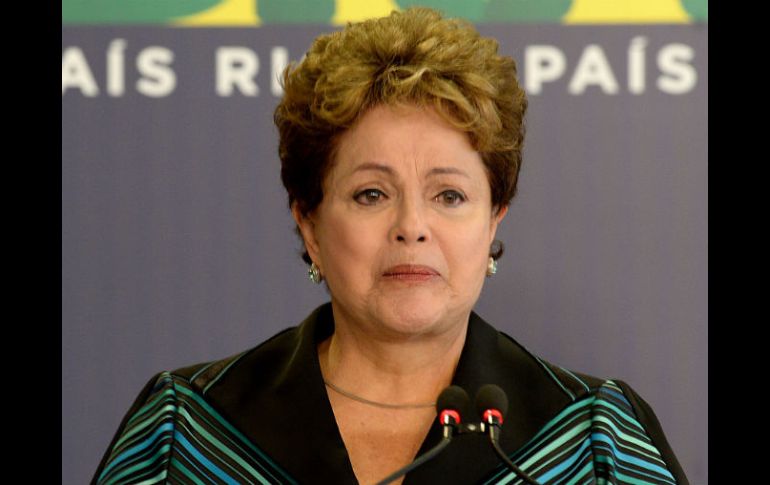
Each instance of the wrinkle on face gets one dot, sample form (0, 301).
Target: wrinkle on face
(408, 154)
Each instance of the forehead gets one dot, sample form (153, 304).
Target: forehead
(392, 140)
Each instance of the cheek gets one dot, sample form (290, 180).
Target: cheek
(348, 248)
(467, 251)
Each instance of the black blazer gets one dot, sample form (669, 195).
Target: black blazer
(264, 415)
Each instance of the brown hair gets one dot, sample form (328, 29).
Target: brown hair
(414, 57)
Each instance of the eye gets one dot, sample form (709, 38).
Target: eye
(369, 196)
(450, 197)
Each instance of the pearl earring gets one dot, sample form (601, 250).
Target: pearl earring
(491, 266)
(314, 274)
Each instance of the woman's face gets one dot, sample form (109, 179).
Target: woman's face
(403, 233)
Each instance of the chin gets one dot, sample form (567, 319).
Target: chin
(415, 318)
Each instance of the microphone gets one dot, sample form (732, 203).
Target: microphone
(449, 405)
(492, 404)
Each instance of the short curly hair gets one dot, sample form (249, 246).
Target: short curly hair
(415, 57)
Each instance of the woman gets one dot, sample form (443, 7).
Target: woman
(400, 142)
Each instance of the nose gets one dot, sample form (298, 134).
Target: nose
(410, 225)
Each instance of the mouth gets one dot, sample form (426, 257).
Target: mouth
(410, 272)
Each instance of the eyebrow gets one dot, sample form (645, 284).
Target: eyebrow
(379, 167)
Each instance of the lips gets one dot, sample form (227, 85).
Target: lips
(410, 272)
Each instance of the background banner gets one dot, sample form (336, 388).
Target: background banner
(178, 245)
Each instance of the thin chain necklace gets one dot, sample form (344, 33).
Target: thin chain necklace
(375, 403)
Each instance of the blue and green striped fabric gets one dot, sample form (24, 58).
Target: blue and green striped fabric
(263, 417)
(177, 437)
(596, 440)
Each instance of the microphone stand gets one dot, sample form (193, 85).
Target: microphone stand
(450, 403)
(419, 461)
(494, 434)
(445, 440)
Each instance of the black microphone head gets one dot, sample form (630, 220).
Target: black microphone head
(453, 398)
(490, 396)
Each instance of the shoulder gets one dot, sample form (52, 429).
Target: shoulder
(624, 434)
(630, 409)
(205, 413)
(140, 448)
(174, 413)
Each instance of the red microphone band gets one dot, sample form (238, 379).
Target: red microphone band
(448, 414)
(493, 413)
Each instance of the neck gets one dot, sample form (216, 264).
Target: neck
(391, 370)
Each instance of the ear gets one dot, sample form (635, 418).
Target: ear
(307, 229)
(496, 220)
